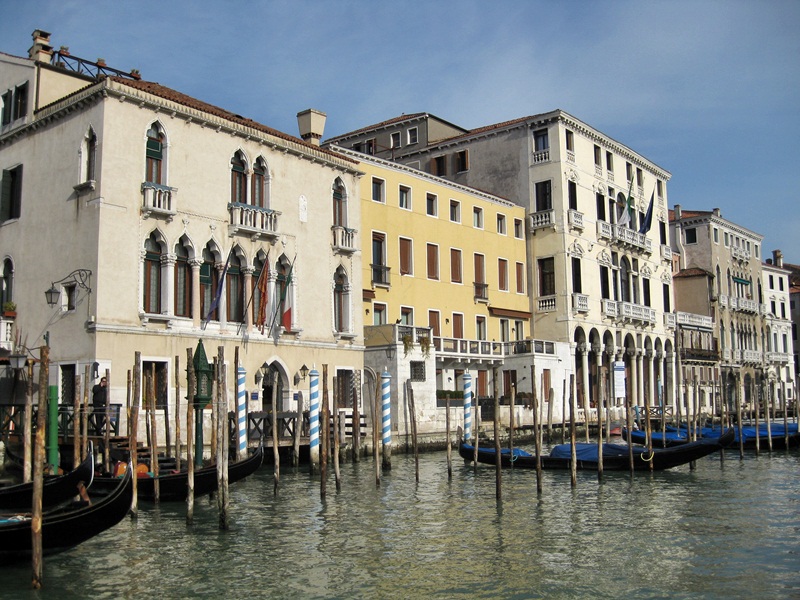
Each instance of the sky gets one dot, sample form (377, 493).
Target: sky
(708, 90)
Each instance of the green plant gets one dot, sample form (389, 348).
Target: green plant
(408, 344)
(9, 306)
(425, 346)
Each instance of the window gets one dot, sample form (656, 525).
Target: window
(610, 163)
(369, 146)
(416, 370)
(234, 291)
(154, 155)
(604, 289)
(11, 194)
(380, 272)
(15, 104)
(462, 161)
(395, 139)
(458, 325)
(771, 282)
(152, 276)
(404, 195)
(600, 202)
(431, 207)
(540, 140)
(285, 293)
(639, 178)
(7, 100)
(208, 286)
(455, 266)
(544, 197)
(406, 315)
(433, 323)
(480, 270)
(660, 188)
(727, 241)
(501, 224)
(406, 257)
(439, 166)
(341, 301)
(646, 291)
(629, 171)
(339, 204)
(260, 298)
(662, 232)
(577, 286)
(377, 190)
(379, 313)
(518, 229)
(7, 282)
(455, 211)
(89, 156)
(547, 276)
(666, 294)
(70, 296)
(183, 282)
(477, 217)
(502, 274)
(520, 269)
(572, 190)
(259, 184)
(690, 235)
(570, 138)
(480, 328)
(412, 135)
(598, 157)
(238, 179)
(433, 261)
(780, 283)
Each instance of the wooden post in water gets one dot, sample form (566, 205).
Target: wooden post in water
(413, 412)
(498, 457)
(27, 443)
(178, 412)
(336, 433)
(134, 439)
(38, 470)
(214, 413)
(768, 412)
(107, 426)
(152, 404)
(738, 398)
(629, 426)
(128, 395)
(647, 425)
(785, 416)
(537, 439)
(550, 397)
(276, 456)
(325, 432)
(511, 421)
(76, 423)
(447, 436)
(85, 414)
(757, 411)
(375, 430)
(564, 412)
(191, 390)
(601, 401)
(167, 428)
(223, 499)
(573, 463)
(357, 417)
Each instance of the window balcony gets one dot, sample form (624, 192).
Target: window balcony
(546, 304)
(598, 170)
(610, 175)
(575, 219)
(6, 333)
(726, 354)
(670, 320)
(580, 303)
(627, 311)
(723, 300)
(700, 354)
(344, 239)
(748, 306)
(624, 236)
(733, 302)
(740, 254)
(610, 308)
(753, 357)
(253, 221)
(778, 357)
(541, 156)
(542, 219)
(693, 320)
(158, 200)
(481, 292)
(666, 252)
(380, 275)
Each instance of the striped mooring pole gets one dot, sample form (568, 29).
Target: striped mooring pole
(313, 419)
(386, 418)
(241, 412)
(467, 407)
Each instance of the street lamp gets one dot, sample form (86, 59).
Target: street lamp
(79, 277)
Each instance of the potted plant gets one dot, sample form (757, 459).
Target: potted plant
(408, 344)
(425, 346)
(10, 309)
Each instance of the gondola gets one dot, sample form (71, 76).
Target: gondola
(173, 486)
(669, 438)
(615, 456)
(65, 528)
(679, 436)
(56, 489)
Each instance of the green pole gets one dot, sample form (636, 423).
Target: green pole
(198, 437)
(52, 428)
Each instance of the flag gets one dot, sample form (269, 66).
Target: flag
(261, 285)
(287, 300)
(220, 287)
(648, 218)
(626, 215)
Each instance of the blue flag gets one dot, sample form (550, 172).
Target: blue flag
(648, 217)
(220, 287)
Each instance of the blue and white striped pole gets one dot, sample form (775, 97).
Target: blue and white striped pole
(467, 407)
(313, 419)
(241, 413)
(386, 418)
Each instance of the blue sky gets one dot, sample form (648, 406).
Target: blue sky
(708, 90)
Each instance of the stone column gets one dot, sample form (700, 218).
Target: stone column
(248, 298)
(168, 283)
(196, 263)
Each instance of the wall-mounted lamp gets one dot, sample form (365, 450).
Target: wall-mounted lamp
(390, 351)
(303, 372)
(79, 277)
(17, 361)
(447, 321)
(261, 372)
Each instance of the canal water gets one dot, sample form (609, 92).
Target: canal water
(719, 531)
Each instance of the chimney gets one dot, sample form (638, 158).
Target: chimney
(715, 212)
(311, 124)
(777, 258)
(41, 50)
(677, 212)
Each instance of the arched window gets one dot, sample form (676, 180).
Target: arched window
(625, 279)
(285, 292)
(238, 179)
(339, 204)
(719, 281)
(341, 301)
(183, 282)
(152, 276)
(155, 155)
(90, 156)
(234, 288)
(7, 284)
(208, 285)
(260, 184)
(260, 282)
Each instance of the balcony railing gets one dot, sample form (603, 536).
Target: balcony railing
(666, 252)
(627, 311)
(380, 275)
(740, 254)
(253, 221)
(778, 357)
(542, 219)
(580, 303)
(753, 356)
(157, 200)
(541, 156)
(546, 304)
(694, 320)
(705, 354)
(481, 291)
(575, 219)
(624, 235)
(344, 239)
(6, 333)
(750, 306)
(670, 320)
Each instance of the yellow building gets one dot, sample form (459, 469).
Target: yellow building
(444, 278)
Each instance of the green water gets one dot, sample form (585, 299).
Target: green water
(715, 532)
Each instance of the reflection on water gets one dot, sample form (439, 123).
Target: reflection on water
(729, 531)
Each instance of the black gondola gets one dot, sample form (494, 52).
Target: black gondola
(66, 528)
